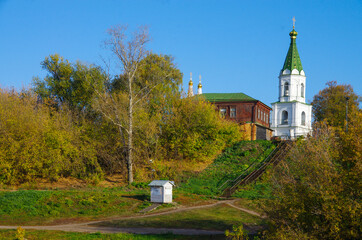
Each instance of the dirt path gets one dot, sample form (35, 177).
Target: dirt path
(245, 210)
(90, 228)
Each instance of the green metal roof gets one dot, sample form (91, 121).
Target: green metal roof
(227, 97)
(292, 61)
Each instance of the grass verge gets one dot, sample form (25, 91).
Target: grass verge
(59, 235)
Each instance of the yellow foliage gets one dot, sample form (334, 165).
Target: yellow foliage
(20, 233)
(36, 142)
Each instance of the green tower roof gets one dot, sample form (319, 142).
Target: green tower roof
(292, 61)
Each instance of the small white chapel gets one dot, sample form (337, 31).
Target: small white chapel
(292, 116)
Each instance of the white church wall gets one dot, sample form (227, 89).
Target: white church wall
(295, 84)
(294, 127)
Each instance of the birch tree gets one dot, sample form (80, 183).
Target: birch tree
(128, 51)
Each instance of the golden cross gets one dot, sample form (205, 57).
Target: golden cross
(293, 22)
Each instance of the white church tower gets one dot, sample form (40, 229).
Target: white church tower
(190, 92)
(199, 87)
(292, 116)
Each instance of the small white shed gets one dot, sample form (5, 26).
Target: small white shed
(161, 191)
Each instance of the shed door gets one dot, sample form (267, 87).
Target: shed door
(156, 194)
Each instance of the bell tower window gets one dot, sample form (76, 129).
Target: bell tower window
(303, 118)
(284, 118)
(302, 90)
(286, 89)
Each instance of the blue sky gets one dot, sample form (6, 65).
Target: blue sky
(237, 46)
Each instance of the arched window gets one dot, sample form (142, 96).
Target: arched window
(286, 89)
(302, 90)
(303, 118)
(284, 117)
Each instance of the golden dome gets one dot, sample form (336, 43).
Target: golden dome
(293, 34)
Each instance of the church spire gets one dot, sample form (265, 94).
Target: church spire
(199, 87)
(292, 61)
(190, 92)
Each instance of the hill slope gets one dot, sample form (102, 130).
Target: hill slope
(241, 158)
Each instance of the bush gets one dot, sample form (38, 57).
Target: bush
(36, 142)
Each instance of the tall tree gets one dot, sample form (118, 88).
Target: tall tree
(331, 104)
(128, 52)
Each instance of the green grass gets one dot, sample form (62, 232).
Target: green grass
(229, 165)
(257, 190)
(58, 235)
(32, 207)
(219, 217)
(44, 207)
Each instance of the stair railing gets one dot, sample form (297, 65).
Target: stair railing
(274, 156)
(246, 170)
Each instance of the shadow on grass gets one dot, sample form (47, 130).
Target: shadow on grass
(141, 197)
(202, 224)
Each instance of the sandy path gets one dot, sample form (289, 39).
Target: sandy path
(90, 228)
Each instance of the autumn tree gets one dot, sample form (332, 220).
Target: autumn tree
(37, 142)
(194, 131)
(330, 104)
(316, 190)
(68, 83)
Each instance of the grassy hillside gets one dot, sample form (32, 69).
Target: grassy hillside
(42, 207)
(241, 158)
(32, 207)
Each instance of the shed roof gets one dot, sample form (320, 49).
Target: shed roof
(160, 183)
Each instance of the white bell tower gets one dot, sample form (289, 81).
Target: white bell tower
(292, 116)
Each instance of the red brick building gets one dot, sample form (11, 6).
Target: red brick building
(250, 113)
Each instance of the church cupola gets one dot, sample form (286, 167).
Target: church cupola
(292, 61)
(190, 92)
(199, 87)
(292, 76)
